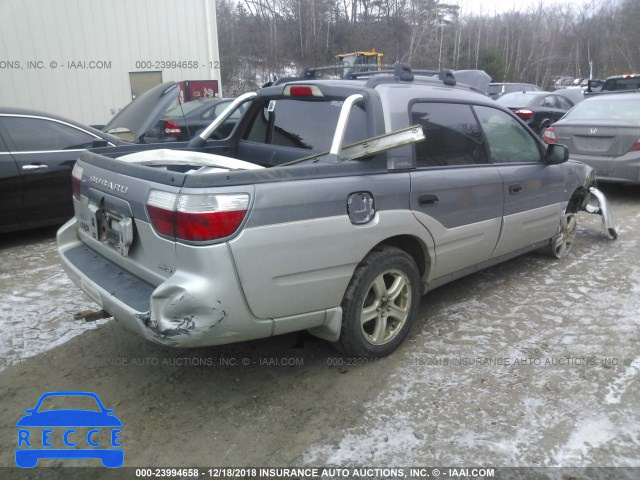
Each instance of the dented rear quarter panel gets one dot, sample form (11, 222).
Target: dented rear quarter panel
(299, 248)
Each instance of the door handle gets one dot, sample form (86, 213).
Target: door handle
(515, 189)
(426, 200)
(34, 166)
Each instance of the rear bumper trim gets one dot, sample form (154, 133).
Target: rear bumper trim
(121, 284)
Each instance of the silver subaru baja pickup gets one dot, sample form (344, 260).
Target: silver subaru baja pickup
(332, 207)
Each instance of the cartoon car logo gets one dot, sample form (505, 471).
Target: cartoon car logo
(47, 431)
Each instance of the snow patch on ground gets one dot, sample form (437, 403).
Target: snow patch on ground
(618, 387)
(38, 303)
(558, 412)
(588, 435)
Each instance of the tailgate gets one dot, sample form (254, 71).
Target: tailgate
(112, 215)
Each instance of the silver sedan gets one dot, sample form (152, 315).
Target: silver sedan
(603, 132)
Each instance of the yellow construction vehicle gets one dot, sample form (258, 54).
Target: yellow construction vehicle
(356, 62)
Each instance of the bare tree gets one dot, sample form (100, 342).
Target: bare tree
(260, 39)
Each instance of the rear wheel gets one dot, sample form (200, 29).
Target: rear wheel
(380, 304)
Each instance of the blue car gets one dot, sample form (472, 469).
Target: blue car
(60, 425)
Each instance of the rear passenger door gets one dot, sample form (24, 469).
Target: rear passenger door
(533, 191)
(455, 191)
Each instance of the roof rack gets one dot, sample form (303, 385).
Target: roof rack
(474, 80)
(399, 71)
(310, 73)
(405, 74)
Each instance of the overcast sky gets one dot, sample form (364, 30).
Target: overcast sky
(490, 7)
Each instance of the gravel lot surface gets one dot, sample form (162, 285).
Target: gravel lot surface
(535, 363)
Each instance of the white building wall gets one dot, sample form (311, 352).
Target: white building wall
(62, 37)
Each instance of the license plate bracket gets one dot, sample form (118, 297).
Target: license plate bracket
(115, 230)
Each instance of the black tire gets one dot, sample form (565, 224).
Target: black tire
(564, 239)
(394, 309)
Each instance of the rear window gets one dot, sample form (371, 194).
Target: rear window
(305, 124)
(494, 89)
(622, 84)
(515, 100)
(606, 109)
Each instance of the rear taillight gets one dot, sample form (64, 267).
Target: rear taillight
(161, 209)
(197, 217)
(76, 181)
(549, 136)
(635, 147)
(171, 128)
(524, 113)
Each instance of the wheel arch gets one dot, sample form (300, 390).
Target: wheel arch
(543, 125)
(414, 247)
(577, 199)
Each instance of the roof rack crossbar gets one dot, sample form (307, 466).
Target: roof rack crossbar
(399, 71)
(309, 73)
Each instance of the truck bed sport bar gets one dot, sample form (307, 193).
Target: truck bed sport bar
(364, 148)
(200, 140)
(338, 151)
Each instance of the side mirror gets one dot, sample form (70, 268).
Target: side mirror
(99, 143)
(557, 154)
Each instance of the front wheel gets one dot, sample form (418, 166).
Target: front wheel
(380, 304)
(562, 242)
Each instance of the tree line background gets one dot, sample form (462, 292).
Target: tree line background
(260, 39)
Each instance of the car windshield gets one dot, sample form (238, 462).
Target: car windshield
(514, 100)
(606, 109)
(67, 402)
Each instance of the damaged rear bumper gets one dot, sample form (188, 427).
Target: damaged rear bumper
(186, 310)
(200, 304)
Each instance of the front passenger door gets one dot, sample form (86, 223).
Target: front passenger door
(533, 191)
